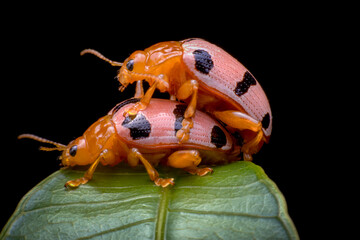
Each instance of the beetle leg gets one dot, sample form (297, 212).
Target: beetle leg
(139, 90)
(242, 121)
(134, 156)
(145, 100)
(187, 89)
(89, 173)
(253, 146)
(143, 103)
(188, 160)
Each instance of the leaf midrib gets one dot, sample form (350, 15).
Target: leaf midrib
(162, 214)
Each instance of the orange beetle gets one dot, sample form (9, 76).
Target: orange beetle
(207, 78)
(149, 138)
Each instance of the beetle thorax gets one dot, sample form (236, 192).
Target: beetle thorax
(162, 52)
(101, 136)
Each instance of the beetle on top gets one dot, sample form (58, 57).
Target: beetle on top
(206, 78)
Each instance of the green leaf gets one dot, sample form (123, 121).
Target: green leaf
(237, 201)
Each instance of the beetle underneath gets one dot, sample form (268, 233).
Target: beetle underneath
(147, 138)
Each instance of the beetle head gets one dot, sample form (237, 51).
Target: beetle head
(76, 153)
(133, 69)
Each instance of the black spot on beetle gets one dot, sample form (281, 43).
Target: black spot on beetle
(266, 121)
(179, 112)
(243, 86)
(130, 65)
(139, 126)
(218, 137)
(203, 61)
(126, 102)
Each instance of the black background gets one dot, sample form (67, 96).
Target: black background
(50, 91)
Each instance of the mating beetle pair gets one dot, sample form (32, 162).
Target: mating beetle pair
(151, 131)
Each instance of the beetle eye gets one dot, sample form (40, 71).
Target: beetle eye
(73, 150)
(130, 65)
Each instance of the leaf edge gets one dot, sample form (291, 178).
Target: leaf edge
(283, 215)
(20, 207)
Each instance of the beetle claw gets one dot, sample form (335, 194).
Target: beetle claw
(183, 136)
(199, 171)
(76, 183)
(164, 182)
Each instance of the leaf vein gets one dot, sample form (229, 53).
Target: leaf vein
(118, 228)
(106, 187)
(219, 187)
(222, 213)
(117, 201)
(113, 173)
(162, 214)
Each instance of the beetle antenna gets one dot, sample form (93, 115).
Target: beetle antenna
(59, 146)
(99, 55)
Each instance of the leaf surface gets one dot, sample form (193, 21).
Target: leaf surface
(237, 201)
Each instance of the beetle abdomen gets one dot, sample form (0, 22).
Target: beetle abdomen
(156, 127)
(222, 73)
